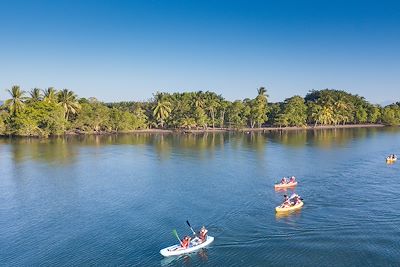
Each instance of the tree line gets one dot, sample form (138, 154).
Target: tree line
(54, 112)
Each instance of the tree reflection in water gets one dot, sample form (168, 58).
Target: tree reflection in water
(65, 149)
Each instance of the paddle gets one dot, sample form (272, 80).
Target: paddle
(191, 228)
(176, 235)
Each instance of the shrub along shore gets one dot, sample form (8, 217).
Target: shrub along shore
(56, 112)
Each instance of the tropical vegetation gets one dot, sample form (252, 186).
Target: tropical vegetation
(54, 112)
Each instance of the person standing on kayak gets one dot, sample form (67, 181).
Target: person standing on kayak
(203, 234)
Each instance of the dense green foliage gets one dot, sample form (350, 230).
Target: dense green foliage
(52, 112)
(58, 112)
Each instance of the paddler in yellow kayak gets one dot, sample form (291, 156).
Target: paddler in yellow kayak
(292, 201)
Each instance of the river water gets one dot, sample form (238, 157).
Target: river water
(114, 200)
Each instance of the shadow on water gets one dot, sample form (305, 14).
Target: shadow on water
(192, 259)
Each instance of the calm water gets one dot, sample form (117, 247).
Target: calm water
(114, 200)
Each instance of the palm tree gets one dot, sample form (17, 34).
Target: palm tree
(35, 95)
(261, 91)
(198, 99)
(16, 103)
(162, 109)
(50, 95)
(325, 115)
(187, 122)
(68, 100)
(260, 107)
(341, 111)
(212, 105)
(223, 106)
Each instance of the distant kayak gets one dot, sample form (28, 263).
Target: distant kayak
(391, 159)
(292, 208)
(195, 244)
(278, 186)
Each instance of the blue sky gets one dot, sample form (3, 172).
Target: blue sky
(127, 50)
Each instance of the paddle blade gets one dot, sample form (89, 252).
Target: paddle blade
(175, 233)
(188, 223)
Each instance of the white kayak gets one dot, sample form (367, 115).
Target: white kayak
(195, 244)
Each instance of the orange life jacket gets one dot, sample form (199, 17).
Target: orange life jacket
(185, 243)
(203, 235)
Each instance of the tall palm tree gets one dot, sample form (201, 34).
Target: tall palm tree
(262, 91)
(69, 101)
(212, 105)
(162, 109)
(36, 95)
(260, 106)
(50, 95)
(16, 103)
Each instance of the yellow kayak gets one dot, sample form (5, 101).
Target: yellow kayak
(292, 208)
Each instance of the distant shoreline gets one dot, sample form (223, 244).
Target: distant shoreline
(215, 130)
(223, 130)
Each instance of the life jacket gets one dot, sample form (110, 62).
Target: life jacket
(203, 235)
(185, 243)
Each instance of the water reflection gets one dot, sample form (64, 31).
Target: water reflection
(282, 216)
(192, 259)
(65, 149)
(56, 150)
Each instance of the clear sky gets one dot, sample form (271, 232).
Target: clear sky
(127, 50)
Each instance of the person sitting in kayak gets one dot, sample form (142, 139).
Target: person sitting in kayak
(203, 234)
(185, 242)
(295, 199)
(285, 198)
(286, 204)
(284, 180)
(292, 179)
(286, 201)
